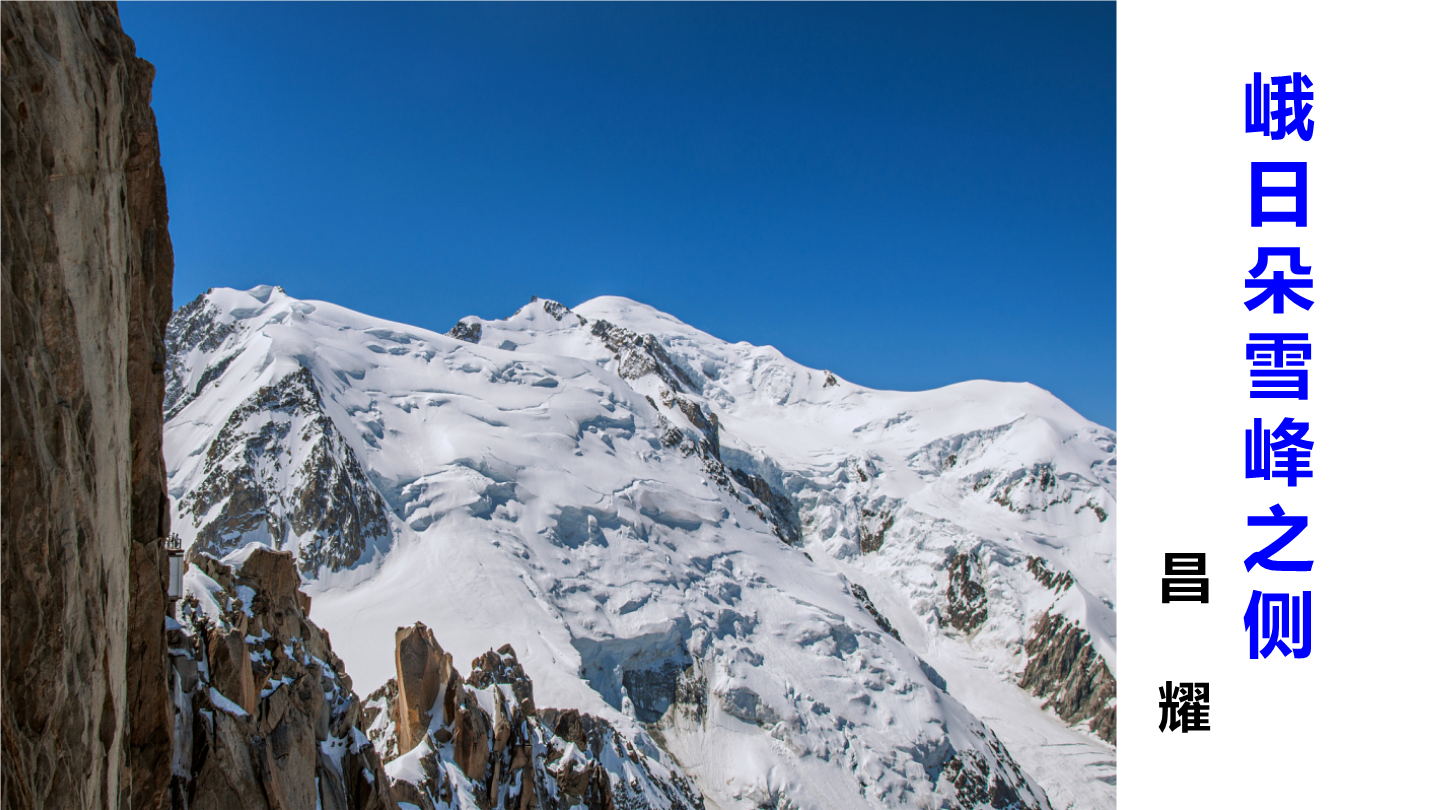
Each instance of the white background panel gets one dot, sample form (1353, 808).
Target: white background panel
(1351, 726)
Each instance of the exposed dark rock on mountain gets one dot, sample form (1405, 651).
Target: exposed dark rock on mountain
(979, 785)
(966, 604)
(863, 597)
(558, 311)
(874, 523)
(193, 327)
(708, 423)
(266, 717)
(249, 493)
(1047, 576)
(87, 271)
(643, 354)
(1063, 667)
(1074, 679)
(1030, 490)
(783, 516)
(468, 330)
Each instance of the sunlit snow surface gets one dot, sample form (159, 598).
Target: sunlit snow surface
(533, 502)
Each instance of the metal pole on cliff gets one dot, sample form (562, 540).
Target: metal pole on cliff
(175, 586)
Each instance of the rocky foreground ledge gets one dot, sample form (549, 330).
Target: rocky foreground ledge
(265, 714)
(267, 718)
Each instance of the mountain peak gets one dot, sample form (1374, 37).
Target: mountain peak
(635, 315)
(649, 514)
(263, 292)
(545, 314)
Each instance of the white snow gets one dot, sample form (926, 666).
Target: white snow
(533, 503)
(407, 766)
(226, 704)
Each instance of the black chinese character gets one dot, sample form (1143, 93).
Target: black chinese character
(1176, 587)
(1185, 708)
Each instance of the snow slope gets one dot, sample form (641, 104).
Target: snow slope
(810, 593)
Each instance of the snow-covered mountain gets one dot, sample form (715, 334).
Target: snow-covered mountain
(804, 592)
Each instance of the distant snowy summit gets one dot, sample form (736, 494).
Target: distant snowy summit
(804, 592)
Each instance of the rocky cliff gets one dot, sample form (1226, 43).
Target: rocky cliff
(266, 717)
(480, 741)
(87, 270)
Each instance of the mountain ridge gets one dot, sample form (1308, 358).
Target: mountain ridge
(678, 463)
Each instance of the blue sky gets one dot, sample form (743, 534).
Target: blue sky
(909, 195)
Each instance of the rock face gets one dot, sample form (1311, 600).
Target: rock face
(423, 671)
(481, 742)
(1074, 679)
(87, 272)
(266, 717)
(966, 607)
(468, 330)
(279, 471)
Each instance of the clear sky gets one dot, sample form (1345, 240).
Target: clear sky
(909, 195)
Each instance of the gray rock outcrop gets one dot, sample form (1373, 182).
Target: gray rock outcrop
(467, 329)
